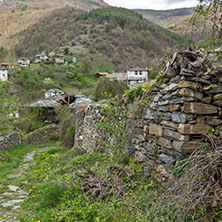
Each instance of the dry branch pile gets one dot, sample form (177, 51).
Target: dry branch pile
(201, 184)
(114, 183)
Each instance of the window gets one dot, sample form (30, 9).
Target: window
(136, 73)
(141, 73)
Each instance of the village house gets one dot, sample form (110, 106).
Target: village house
(137, 74)
(41, 58)
(58, 58)
(133, 77)
(23, 62)
(3, 74)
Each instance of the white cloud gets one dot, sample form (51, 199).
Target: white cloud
(152, 4)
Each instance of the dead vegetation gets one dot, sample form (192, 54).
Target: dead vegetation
(101, 187)
(199, 179)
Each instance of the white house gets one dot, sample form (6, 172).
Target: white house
(24, 62)
(58, 58)
(3, 74)
(41, 58)
(137, 74)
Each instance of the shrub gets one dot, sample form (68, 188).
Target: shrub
(109, 87)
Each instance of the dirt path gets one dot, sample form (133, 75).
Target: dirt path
(11, 194)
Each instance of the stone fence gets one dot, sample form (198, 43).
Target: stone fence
(170, 126)
(9, 140)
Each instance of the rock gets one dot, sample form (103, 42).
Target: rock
(200, 120)
(170, 124)
(163, 108)
(215, 90)
(181, 100)
(186, 147)
(174, 108)
(140, 157)
(167, 159)
(167, 151)
(145, 129)
(218, 103)
(13, 188)
(157, 97)
(179, 117)
(171, 87)
(193, 129)
(162, 171)
(175, 135)
(179, 156)
(207, 99)
(164, 142)
(163, 103)
(214, 122)
(187, 72)
(199, 80)
(147, 113)
(155, 129)
(187, 84)
(190, 93)
(199, 108)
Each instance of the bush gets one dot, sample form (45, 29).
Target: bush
(109, 87)
(133, 93)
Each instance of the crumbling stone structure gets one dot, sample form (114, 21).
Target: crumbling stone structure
(9, 140)
(170, 126)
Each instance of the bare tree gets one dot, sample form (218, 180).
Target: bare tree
(211, 10)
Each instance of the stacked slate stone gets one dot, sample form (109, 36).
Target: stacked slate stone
(186, 106)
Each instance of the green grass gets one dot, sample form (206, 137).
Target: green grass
(54, 187)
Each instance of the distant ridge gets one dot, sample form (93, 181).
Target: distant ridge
(165, 17)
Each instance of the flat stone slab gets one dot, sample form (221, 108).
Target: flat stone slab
(7, 204)
(29, 156)
(17, 201)
(16, 207)
(23, 196)
(13, 188)
(13, 176)
(8, 194)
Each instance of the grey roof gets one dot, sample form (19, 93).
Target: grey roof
(54, 91)
(138, 69)
(43, 103)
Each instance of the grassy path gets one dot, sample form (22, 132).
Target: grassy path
(13, 186)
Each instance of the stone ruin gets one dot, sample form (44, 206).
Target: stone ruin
(171, 125)
(9, 140)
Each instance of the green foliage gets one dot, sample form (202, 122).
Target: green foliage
(31, 119)
(109, 87)
(133, 93)
(22, 7)
(8, 107)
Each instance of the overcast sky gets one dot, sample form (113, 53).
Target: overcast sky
(152, 4)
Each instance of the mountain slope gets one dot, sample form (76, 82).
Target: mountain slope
(17, 16)
(119, 35)
(165, 17)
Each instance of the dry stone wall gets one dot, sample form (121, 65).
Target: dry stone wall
(170, 126)
(7, 141)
